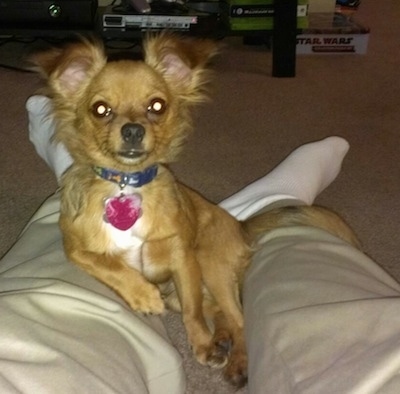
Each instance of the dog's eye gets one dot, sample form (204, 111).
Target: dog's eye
(157, 106)
(101, 109)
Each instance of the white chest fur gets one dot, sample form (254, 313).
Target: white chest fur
(129, 241)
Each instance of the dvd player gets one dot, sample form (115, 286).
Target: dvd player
(148, 21)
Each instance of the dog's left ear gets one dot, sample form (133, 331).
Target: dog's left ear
(182, 61)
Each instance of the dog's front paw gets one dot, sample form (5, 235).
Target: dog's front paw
(147, 299)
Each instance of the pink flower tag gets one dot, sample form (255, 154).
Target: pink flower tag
(123, 211)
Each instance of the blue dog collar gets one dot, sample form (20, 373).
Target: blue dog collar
(134, 179)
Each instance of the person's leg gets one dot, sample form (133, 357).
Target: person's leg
(301, 288)
(320, 317)
(65, 332)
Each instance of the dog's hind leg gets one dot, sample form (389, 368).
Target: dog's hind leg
(187, 280)
(228, 323)
(191, 297)
(228, 336)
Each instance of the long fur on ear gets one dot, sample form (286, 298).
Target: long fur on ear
(182, 61)
(68, 68)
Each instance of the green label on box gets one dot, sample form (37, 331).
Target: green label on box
(246, 11)
(258, 14)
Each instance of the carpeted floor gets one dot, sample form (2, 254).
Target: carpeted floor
(251, 124)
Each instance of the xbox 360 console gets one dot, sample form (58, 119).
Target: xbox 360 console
(52, 13)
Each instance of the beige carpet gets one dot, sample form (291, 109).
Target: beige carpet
(253, 122)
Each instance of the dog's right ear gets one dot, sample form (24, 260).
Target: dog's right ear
(68, 69)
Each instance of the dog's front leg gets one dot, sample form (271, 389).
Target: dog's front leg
(141, 295)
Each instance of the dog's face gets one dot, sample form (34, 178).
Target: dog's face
(126, 114)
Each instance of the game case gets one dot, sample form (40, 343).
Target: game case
(333, 34)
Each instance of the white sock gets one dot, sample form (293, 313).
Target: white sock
(301, 176)
(41, 130)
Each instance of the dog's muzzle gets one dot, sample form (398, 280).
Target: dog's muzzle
(132, 135)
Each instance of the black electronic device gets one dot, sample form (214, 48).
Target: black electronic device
(48, 13)
(164, 14)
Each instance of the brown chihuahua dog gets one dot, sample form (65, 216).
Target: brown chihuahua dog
(125, 219)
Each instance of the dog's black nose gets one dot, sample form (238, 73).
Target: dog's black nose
(132, 133)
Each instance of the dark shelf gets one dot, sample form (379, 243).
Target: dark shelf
(283, 34)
